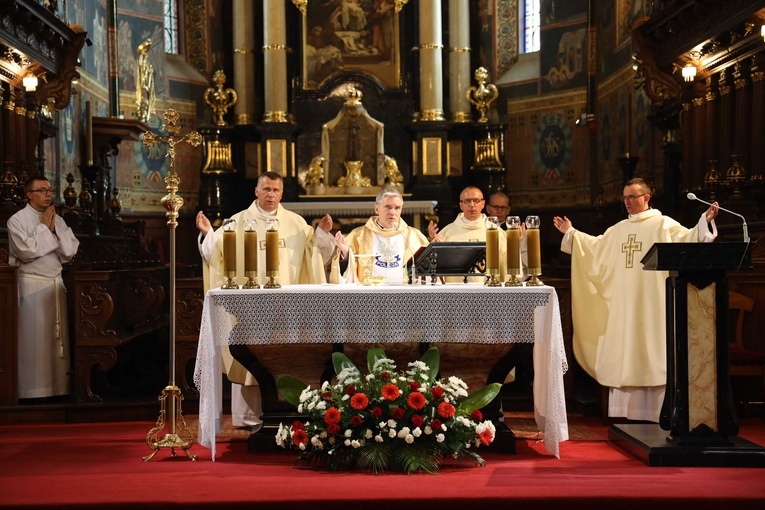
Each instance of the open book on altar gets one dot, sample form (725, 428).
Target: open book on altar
(449, 259)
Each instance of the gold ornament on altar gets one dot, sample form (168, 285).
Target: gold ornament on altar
(144, 87)
(314, 177)
(179, 434)
(354, 181)
(484, 95)
(390, 169)
(218, 99)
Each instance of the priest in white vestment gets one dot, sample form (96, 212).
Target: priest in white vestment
(300, 261)
(470, 226)
(385, 236)
(618, 309)
(39, 242)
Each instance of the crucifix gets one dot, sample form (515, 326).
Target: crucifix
(179, 435)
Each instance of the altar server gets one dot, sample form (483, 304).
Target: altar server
(39, 242)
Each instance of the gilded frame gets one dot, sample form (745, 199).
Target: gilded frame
(342, 35)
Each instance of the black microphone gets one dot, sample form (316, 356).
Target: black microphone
(692, 196)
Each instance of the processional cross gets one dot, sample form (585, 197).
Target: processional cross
(171, 397)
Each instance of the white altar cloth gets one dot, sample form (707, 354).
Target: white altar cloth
(464, 313)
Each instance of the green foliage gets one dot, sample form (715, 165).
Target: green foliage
(480, 398)
(290, 388)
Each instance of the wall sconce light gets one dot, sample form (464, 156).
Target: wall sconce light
(30, 82)
(689, 72)
(762, 32)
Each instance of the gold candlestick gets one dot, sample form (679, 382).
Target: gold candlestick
(250, 253)
(534, 251)
(179, 434)
(272, 253)
(513, 251)
(492, 251)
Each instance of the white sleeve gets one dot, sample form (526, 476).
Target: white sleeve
(567, 243)
(705, 236)
(327, 243)
(206, 245)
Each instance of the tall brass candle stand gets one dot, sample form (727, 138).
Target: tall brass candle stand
(250, 227)
(534, 251)
(179, 434)
(229, 255)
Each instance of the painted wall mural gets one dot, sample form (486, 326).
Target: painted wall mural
(563, 58)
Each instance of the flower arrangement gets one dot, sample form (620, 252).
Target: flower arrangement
(387, 420)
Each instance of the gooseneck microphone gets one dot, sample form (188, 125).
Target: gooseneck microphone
(692, 196)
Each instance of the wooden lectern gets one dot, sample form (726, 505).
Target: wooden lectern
(698, 408)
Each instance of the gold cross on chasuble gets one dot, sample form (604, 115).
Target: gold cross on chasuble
(630, 247)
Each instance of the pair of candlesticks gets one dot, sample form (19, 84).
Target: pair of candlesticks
(513, 224)
(251, 250)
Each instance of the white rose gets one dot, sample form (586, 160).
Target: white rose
(392, 433)
(379, 438)
(409, 439)
(417, 432)
(440, 438)
(348, 433)
(347, 442)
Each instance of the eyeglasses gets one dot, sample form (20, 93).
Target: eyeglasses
(44, 191)
(630, 198)
(503, 207)
(474, 201)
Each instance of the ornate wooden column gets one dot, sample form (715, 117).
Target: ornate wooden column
(699, 152)
(742, 138)
(726, 118)
(758, 122)
(687, 119)
(712, 163)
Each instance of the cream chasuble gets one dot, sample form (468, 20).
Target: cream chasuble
(391, 248)
(618, 309)
(299, 262)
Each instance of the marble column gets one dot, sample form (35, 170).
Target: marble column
(244, 62)
(459, 60)
(275, 61)
(431, 62)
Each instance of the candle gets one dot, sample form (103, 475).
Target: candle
(513, 251)
(272, 250)
(492, 249)
(89, 133)
(229, 250)
(250, 250)
(534, 252)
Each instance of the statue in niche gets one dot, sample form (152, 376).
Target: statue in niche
(356, 138)
(144, 87)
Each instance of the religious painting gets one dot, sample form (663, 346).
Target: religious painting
(351, 35)
(552, 147)
(627, 12)
(563, 58)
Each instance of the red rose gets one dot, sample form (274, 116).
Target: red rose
(446, 410)
(299, 437)
(417, 420)
(436, 424)
(296, 425)
(350, 389)
(437, 393)
(326, 395)
(390, 392)
(333, 428)
(332, 415)
(413, 386)
(416, 400)
(397, 413)
(477, 415)
(359, 401)
(356, 420)
(376, 412)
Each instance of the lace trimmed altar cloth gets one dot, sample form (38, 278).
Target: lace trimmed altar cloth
(452, 313)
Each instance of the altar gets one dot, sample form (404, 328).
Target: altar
(456, 318)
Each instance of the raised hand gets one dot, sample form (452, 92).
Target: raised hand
(433, 232)
(711, 213)
(562, 224)
(203, 224)
(326, 223)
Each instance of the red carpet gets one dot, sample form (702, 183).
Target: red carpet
(99, 466)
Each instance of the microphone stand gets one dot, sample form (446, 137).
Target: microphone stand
(692, 196)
